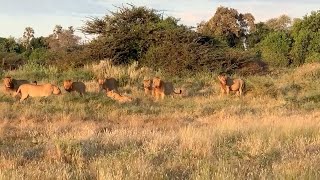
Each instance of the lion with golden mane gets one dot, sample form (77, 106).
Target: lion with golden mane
(70, 86)
(161, 88)
(118, 97)
(108, 84)
(227, 84)
(32, 90)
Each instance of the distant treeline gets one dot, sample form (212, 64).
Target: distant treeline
(229, 41)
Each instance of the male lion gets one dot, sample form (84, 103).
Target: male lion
(161, 88)
(108, 84)
(70, 86)
(147, 85)
(227, 84)
(13, 84)
(118, 97)
(32, 90)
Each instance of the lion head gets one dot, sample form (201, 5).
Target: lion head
(223, 79)
(67, 84)
(157, 82)
(101, 81)
(8, 82)
(56, 90)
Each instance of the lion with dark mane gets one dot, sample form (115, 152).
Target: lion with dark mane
(108, 84)
(70, 86)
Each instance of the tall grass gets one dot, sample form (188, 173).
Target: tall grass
(126, 75)
(270, 133)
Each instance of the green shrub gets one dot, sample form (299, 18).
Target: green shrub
(275, 49)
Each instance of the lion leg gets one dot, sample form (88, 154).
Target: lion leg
(156, 95)
(238, 93)
(222, 91)
(228, 90)
(23, 97)
(162, 96)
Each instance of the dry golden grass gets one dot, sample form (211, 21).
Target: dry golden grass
(273, 132)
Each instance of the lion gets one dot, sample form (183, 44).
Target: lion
(13, 84)
(70, 86)
(118, 97)
(108, 84)
(147, 85)
(32, 90)
(227, 84)
(161, 88)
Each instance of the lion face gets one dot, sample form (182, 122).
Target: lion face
(223, 79)
(147, 84)
(101, 81)
(56, 90)
(67, 84)
(156, 82)
(8, 82)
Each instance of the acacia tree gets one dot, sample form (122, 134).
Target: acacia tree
(229, 24)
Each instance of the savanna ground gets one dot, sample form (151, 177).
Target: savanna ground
(270, 133)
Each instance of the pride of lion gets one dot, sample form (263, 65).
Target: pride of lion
(155, 87)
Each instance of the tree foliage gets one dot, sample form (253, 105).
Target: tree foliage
(282, 23)
(142, 34)
(275, 49)
(229, 24)
(306, 35)
(27, 37)
(62, 38)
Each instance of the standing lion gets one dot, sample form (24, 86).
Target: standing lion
(161, 88)
(70, 86)
(227, 84)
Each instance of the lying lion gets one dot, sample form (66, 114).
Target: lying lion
(108, 84)
(227, 84)
(147, 85)
(70, 86)
(118, 97)
(32, 90)
(161, 88)
(11, 85)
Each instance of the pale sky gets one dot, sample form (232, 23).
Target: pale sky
(43, 15)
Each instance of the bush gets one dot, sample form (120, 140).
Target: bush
(275, 49)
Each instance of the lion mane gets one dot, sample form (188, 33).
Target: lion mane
(70, 86)
(108, 84)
